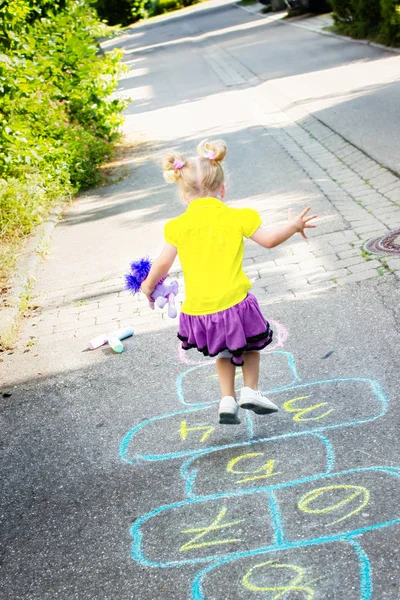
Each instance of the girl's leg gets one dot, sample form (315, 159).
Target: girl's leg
(226, 377)
(250, 397)
(228, 407)
(251, 369)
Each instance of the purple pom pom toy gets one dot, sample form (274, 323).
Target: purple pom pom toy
(163, 294)
(139, 271)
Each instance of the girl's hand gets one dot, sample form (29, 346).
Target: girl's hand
(301, 222)
(147, 291)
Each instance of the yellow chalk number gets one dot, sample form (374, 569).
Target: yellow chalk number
(263, 472)
(281, 590)
(354, 495)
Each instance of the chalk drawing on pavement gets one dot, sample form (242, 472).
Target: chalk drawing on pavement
(275, 512)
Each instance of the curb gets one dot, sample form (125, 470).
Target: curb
(346, 38)
(25, 275)
(319, 31)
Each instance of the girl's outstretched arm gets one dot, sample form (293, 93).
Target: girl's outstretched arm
(274, 237)
(159, 269)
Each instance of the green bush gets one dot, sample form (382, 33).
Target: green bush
(57, 121)
(367, 17)
(374, 19)
(357, 17)
(390, 29)
(342, 11)
(123, 12)
(164, 6)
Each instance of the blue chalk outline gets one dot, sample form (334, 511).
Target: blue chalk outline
(279, 540)
(189, 477)
(276, 520)
(127, 438)
(363, 562)
(182, 376)
(380, 397)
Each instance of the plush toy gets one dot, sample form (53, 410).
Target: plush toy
(164, 293)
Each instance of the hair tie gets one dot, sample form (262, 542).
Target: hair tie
(178, 164)
(211, 155)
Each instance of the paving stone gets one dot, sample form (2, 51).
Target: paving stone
(355, 277)
(272, 279)
(284, 297)
(366, 265)
(393, 262)
(313, 269)
(387, 213)
(327, 251)
(347, 262)
(55, 294)
(282, 288)
(252, 273)
(258, 285)
(46, 330)
(364, 193)
(367, 169)
(394, 195)
(108, 319)
(349, 253)
(390, 188)
(338, 240)
(347, 151)
(368, 229)
(392, 224)
(87, 333)
(384, 179)
(358, 160)
(356, 191)
(281, 269)
(287, 260)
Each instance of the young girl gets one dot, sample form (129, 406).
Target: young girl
(219, 317)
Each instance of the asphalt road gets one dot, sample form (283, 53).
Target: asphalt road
(76, 477)
(117, 481)
(350, 87)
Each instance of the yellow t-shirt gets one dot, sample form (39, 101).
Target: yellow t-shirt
(209, 240)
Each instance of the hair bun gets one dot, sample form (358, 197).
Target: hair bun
(212, 149)
(171, 172)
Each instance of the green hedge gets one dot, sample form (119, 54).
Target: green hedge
(125, 12)
(57, 123)
(374, 19)
(390, 29)
(164, 6)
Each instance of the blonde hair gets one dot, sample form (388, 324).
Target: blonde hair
(198, 176)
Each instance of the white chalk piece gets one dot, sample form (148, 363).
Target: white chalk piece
(100, 340)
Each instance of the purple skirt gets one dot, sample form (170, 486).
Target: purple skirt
(241, 328)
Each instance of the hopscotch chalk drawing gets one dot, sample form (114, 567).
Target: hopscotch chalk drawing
(282, 522)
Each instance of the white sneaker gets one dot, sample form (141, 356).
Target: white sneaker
(228, 411)
(255, 401)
